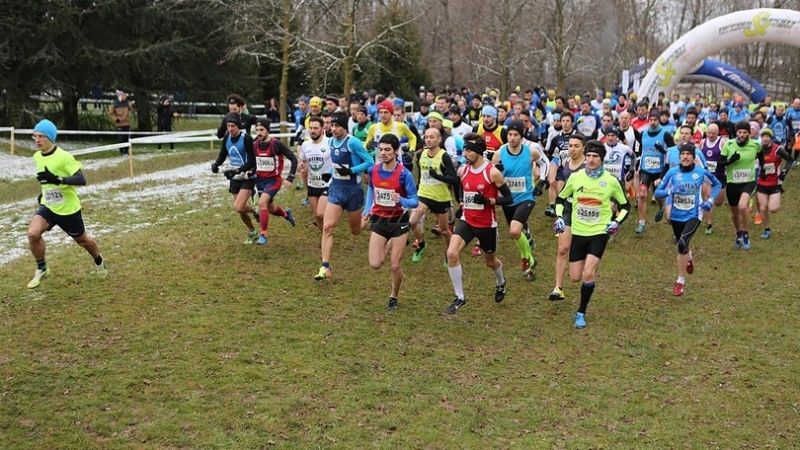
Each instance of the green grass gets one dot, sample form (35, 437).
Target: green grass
(197, 341)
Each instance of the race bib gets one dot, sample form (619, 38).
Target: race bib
(769, 169)
(265, 164)
(383, 197)
(683, 202)
(429, 180)
(315, 180)
(341, 177)
(516, 185)
(712, 166)
(652, 162)
(741, 175)
(614, 169)
(469, 201)
(53, 197)
(588, 214)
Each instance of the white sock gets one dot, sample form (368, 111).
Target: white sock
(682, 280)
(498, 273)
(455, 277)
(641, 222)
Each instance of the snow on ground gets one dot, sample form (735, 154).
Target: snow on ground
(15, 168)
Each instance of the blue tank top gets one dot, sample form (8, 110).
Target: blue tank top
(686, 205)
(236, 151)
(341, 157)
(652, 160)
(778, 127)
(518, 173)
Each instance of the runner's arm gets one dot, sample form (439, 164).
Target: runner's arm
(450, 176)
(622, 200)
(662, 190)
(360, 155)
(565, 193)
(544, 165)
(223, 153)
(77, 179)
(288, 154)
(250, 164)
(410, 201)
(716, 186)
(412, 138)
(505, 193)
(789, 161)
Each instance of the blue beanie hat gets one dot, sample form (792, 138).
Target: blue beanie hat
(490, 111)
(399, 102)
(47, 128)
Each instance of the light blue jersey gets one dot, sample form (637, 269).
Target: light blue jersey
(518, 173)
(684, 189)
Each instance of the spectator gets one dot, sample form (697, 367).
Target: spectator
(120, 114)
(164, 114)
(272, 110)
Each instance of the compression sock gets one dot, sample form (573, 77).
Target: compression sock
(455, 277)
(98, 260)
(41, 265)
(586, 295)
(524, 246)
(263, 216)
(326, 265)
(280, 212)
(498, 273)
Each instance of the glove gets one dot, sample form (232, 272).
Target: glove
(540, 187)
(459, 213)
(214, 168)
(734, 157)
(559, 226)
(782, 176)
(371, 145)
(230, 173)
(481, 200)
(48, 177)
(612, 228)
(433, 174)
(660, 147)
(629, 176)
(500, 166)
(327, 177)
(762, 173)
(705, 206)
(344, 171)
(39, 199)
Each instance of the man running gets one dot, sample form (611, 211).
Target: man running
(515, 161)
(350, 159)
(655, 141)
(390, 193)
(480, 182)
(315, 155)
(684, 184)
(770, 181)
(269, 153)
(387, 125)
(237, 147)
(739, 160)
(711, 148)
(593, 220)
(558, 151)
(59, 173)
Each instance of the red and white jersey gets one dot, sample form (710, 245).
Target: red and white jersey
(474, 181)
(269, 162)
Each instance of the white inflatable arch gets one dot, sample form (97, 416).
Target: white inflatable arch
(781, 26)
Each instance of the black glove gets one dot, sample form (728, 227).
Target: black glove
(344, 171)
(660, 147)
(48, 177)
(479, 199)
(629, 176)
(214, 168)
(459, 213)
(762, 174)
(541, 186)
(500, 166)
(782, 176)
(230, 173)
(734, 157)
(371, 145)
(39, 199)
(327, 177)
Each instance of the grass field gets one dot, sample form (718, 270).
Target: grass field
(196, 341)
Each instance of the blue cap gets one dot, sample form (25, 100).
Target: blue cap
(400, 102)
(490, 111)
(600, 93)
(47, 128)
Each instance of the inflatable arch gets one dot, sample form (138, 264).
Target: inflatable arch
(781, 26)
(719, 72)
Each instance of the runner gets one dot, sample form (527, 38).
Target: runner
(237, 147)
(655, 142)
(575, 162)
(388, 125)
(558, 151)
(684, 184)
(269, 153)
(315, 155)
(349, 159)
(593, 221)
(515, 161)
(481, 182)
(770, 181)
(620, 159)
(710, 147)
(390, 193)
(59, 173)
(739, 160)
(437, 175)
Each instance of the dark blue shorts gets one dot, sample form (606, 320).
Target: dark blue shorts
(349, 197)
(269, 186)
(72, 224)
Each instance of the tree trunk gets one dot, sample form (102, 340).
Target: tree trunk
(286, 48)
(143, 111)
(69, 109)
(348, 63)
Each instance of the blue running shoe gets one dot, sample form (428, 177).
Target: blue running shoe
(766, 234)
(305, 202)
(640, 228)
(659, 215)
(746, 241)
(289, 216)
(580, 321)
(738, 244)
(262, 240)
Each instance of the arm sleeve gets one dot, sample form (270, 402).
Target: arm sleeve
(505, 196)
(223, 154)
(368, 201)
(284, 150)
(661, 191)
(371, 133)
(250, 164)
(563, 196)
(360, 155)
(544, 165)
(668, 141)
(412, 138)
(789, 161)
(450, 176)
(504, 135)
(222, 129)
(410, 200)
(716, 186)
(76, 179)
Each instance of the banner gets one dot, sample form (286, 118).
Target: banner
(720, 72)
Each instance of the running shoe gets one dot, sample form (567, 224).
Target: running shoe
(709, 229)
(659, 215)
(289, 216)
(690, 266)
(102, 269)
(457, 303)
(262, 240)
(324, 272)
(392, 304)
(435, 230)
(677, 291)
(738, 244)
(550, 212)
(640, 228)
(526, 266)
(766, 234)
(476, 251)
(251, 237)
(417, 257)
(500, 292)
(38, 276)
(580, 320)
(257, 214)
(556, 295)
(305, 202)
(757, 219)
(299, 186)
(746, 241)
